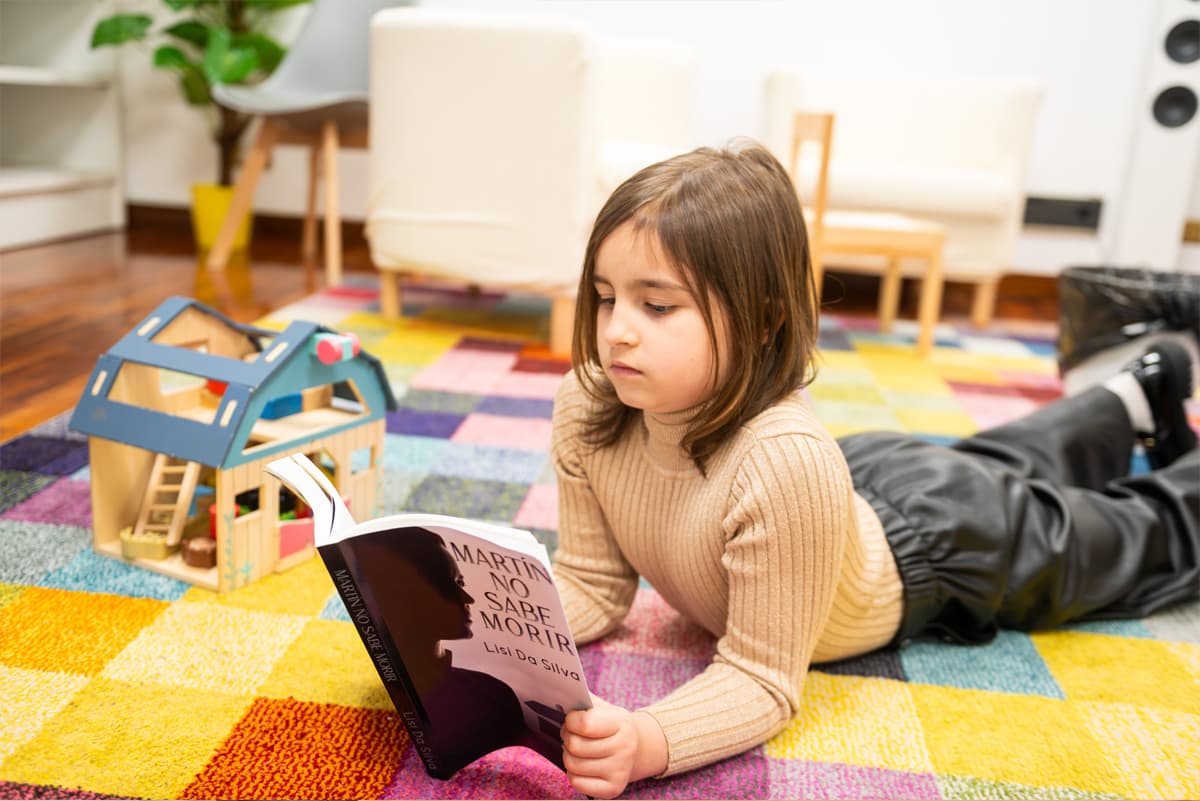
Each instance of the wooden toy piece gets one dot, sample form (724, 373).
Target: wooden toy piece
(199, 552)
(330, 348)
(190, 398)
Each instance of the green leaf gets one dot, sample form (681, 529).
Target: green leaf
(269, 52)
(120, 28)
(191, 32)
(195, 87)
(274, 5)
(224, 63)
(169, 57)
(180, 5)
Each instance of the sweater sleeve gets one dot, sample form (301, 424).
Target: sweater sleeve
(787, 526)
(595, 580)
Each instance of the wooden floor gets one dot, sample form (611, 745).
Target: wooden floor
(63, 304)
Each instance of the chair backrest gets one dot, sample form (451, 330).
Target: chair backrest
(812, 138)
(482, 155)
(330, 53)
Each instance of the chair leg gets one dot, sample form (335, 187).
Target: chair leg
(562, 324)
(389, 294)
(818, 273)
(930, 307)
(333, 220)
(243, 195)
(308, 242)
(983, 304)
(889, 294)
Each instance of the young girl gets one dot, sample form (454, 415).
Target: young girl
(686, 454)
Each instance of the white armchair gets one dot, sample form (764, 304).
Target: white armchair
(494, 138)
(954, 152)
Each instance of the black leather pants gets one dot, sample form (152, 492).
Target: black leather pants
(1032, 524)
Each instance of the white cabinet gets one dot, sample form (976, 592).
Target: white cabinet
(60, 137)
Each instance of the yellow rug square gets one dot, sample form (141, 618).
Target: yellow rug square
(934, 421)
(31, 698)
(327, 664)
(1156, 751)
(207, 646)
(415, 342)
(1003, 737)
(1101, 667)
(111, 730)
(846, 362)
(853, 393)
(855, 720)
(301, 590)
(918, 381)
(62, 631)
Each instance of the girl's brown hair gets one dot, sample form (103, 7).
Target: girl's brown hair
(730, 221)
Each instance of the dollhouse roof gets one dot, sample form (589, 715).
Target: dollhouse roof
(259, 366)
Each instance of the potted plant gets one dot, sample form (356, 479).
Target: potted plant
(208, 42)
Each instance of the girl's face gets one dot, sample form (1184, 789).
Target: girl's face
(650, 332)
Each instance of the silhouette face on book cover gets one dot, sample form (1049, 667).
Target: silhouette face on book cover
(419, 591)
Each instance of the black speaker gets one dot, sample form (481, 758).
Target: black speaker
(1164, 155)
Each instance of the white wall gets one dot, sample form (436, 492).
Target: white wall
(1088, 55)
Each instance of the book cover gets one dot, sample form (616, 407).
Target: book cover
(461, 619)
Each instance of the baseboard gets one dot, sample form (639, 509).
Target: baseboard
(177, 221)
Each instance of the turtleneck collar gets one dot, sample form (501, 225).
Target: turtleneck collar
(663, 434)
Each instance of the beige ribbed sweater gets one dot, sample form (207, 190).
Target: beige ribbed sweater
(772, 552)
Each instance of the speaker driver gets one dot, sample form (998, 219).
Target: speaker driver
(1183, 42)
(1175, 106)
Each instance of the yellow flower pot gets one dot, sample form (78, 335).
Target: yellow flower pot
(210, 203)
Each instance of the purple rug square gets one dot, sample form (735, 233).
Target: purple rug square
(507, 773)
(21, 790)
(65, 502)
(744, 776)
(57, 457)
(792, 778)
(833, 339)
(423, 424)
(634, 680)
(516, 407)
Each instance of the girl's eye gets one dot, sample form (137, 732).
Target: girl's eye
(658, 309)
(603, 301)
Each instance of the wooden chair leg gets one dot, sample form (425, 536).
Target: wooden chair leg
(562, 324)
(983, 304)
(889, 294)
(243, 195)
(308, 242)
(389, 294)
(930, 307)
(333, 220)
(818, 273)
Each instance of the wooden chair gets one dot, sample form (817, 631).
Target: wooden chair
(834, 232)
(317, 97)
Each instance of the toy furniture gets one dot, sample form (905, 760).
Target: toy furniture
(492, 174)
(317, 97)
(835, 232)
(953, 152)
(184, 411)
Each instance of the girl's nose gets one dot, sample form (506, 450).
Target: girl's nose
(619, 329)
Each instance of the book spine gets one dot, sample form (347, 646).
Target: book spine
(383, 654)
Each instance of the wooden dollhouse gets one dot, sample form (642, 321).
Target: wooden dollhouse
(183, 413)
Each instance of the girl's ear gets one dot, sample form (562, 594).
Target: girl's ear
(773, 319)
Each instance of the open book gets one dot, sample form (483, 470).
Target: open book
(461, 620)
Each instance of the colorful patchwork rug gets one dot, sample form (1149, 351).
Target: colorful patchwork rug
(119, 682)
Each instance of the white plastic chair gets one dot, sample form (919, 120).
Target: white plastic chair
(318, 97)
(496, 137)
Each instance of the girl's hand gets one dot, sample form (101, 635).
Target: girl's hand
(607, 746)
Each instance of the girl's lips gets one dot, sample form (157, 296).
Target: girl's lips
(623, 369)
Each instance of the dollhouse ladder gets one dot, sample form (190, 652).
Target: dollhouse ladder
(168, 497)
